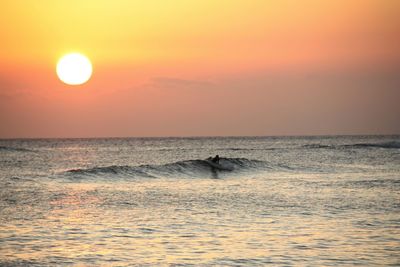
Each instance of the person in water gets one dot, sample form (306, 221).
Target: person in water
(215, 159)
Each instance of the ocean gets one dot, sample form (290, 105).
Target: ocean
(286, 201)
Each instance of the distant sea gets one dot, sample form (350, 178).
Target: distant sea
(287, 201)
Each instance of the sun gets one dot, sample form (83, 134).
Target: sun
(74, 69)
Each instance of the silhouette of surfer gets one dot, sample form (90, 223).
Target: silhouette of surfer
(215, 159)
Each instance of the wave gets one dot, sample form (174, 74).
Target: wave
(114, 169)
(15, 149)
(188, 168)
(390, 144)
(316, 146)
(247, 149)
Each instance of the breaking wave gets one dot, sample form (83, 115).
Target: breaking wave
(187, 168)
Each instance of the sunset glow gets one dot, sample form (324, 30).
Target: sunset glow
(188, 68)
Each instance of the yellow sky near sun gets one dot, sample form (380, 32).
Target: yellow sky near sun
(255, 33)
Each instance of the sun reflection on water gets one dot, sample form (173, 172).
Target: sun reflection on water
(218, 222)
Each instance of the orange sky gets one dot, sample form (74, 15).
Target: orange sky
(194, 68)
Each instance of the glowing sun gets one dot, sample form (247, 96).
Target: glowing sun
(74, 69)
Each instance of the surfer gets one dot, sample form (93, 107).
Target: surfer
(215, 159)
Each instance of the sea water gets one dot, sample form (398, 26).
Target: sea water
(289, 201)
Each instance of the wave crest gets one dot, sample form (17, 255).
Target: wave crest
(181, 168)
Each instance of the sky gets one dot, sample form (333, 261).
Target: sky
(201, 68)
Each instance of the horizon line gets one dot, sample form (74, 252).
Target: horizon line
(200, 136)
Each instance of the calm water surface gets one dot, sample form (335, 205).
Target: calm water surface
(289, 201)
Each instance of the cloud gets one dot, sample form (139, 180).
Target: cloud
(10, 89)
